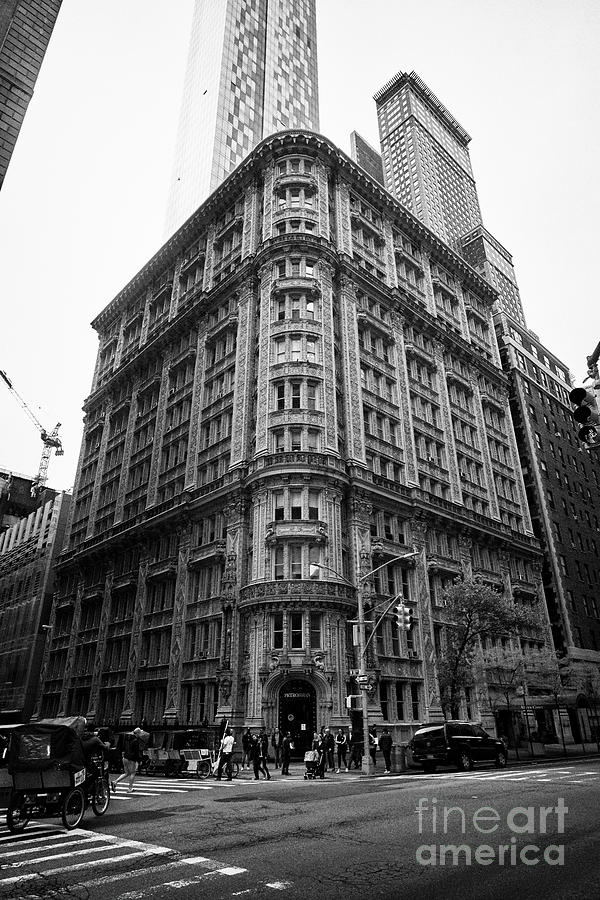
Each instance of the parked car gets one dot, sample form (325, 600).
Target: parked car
(452, 743)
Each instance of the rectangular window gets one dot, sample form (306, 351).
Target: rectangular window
(414, 700)
(280, 391)
(313, 439)
(313, 504)
(295, 307)
(296, 631)
(315, 631)
(278, 506)
(383, 697)
(295, 561)
(296, 389)
(400, 702)
(295, 504)
(296, 439)
(311, 395)
(296, 352)
(278, 631)
(278, 563)
(311, 350)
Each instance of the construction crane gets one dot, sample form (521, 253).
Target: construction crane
(50, 440)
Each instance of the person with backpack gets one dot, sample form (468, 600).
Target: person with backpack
(133, 746)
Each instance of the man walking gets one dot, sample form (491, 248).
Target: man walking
(329, 743)
(225, 754)
(276, 745)
(385, 745)
(246, 748)
(285, 753)
(341, 744)
(373, 744)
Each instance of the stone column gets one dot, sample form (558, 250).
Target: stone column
(244, 385)
(128, 711)
(350, 359)
(73, 641)
(191, 467)
(159, 430)
(174, 677)
(99, 472)
(433, 708)
(99, 659)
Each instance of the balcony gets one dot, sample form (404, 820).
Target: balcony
(296, 179)
(305, 284)
(266, 592)
(443, 563)
(314, 529)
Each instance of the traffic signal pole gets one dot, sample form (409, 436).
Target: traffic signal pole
(364, 680)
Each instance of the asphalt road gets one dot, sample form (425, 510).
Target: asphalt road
(530, 831)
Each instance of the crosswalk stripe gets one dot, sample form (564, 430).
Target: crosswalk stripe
(35, 848)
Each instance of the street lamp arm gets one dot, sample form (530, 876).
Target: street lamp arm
(413, 552)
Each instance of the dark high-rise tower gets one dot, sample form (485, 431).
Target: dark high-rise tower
(427, 167)
(25, 29)
(251, 71)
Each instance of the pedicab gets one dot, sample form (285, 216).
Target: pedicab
(47, 764)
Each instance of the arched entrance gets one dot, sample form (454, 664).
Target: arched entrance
(298, 713)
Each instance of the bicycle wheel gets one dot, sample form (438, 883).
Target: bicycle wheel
(203, 768)
(235, 769)
(73, 807)
(16, 818)
(100, 796)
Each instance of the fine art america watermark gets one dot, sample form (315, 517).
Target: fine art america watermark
(523, 832)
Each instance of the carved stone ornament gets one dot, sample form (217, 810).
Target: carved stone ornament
(225, 688)
(319, 660)
(274, 663)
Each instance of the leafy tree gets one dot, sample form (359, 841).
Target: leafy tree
(476, 611)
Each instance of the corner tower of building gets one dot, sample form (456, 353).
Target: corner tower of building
(251, 71)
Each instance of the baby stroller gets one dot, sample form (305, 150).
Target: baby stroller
(311, 761)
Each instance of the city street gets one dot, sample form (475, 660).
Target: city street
(341, 837)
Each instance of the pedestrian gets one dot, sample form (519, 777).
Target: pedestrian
(385, 745)
(263, 742)
(225, 754)
(341, 743)
(329, 748)
(256, 751)
(134, 743)
(246, 747)
(373, 744)
(286, 746)
(276, 745)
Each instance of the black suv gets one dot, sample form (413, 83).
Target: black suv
(455, 743)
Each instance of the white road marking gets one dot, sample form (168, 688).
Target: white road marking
(35, 848)
(279, 885)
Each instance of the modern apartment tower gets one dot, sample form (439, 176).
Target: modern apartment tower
(427, 167)
(25, 30)
(279, 388)
(251, 71)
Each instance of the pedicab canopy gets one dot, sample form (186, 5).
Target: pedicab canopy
(47, 744)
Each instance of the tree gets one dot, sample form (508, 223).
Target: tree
(476, 611)
(504, 670)
(542, 673)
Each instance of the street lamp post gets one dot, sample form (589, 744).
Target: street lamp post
(363, 677)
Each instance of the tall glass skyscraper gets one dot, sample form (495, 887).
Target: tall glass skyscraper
(427, 167)
(251, 71)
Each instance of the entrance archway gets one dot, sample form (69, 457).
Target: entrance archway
(298, 713)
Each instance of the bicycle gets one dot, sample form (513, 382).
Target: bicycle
(210, 766)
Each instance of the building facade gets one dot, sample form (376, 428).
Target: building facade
(25, 30)
(251, 71)
(28, 550)
(562, 480)
(295, 395)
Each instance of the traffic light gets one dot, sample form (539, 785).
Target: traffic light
(404, 617)
(587, 413)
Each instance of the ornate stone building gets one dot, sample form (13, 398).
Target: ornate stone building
(304, 374)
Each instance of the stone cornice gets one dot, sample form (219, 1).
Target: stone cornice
(246, 173)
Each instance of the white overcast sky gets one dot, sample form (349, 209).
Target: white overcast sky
(83, 203)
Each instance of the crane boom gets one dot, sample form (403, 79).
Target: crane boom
(50, 440)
